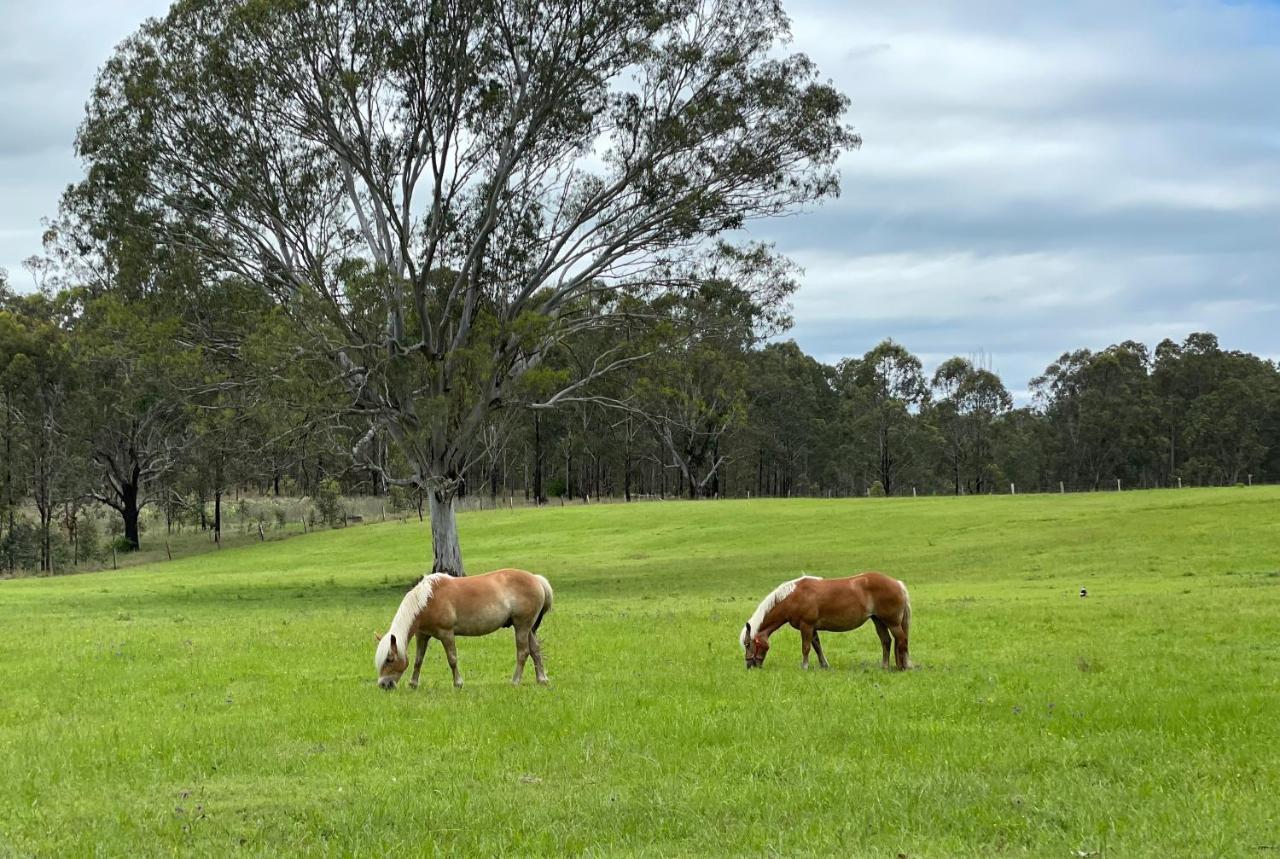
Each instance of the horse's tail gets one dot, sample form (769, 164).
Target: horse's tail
(906, 608)
(546, 600)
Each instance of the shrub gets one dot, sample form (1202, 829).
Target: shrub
(876, 490)
(88, 538)
(328, 501)
(403, 498)
(20, 547)
(61, 552)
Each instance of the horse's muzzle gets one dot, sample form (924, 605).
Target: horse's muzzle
(386, 683)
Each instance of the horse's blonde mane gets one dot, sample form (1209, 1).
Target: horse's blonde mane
(410, 607)
(775, 596)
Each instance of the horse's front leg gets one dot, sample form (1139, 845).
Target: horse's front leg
(451, 652)
(817, 648)
(806, 642)
(423, 641)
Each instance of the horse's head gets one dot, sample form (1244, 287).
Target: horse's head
(390, 659)
(755, 647)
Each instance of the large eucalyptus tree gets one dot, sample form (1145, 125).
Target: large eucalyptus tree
(436, 191)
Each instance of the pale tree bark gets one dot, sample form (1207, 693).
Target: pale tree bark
(446, 549)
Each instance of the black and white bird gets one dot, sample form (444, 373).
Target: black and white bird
(1083, 593)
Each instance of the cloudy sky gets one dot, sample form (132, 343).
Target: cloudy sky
(1035, 177)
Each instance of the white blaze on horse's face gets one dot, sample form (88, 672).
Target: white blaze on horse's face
(390, 659)
(754, 647)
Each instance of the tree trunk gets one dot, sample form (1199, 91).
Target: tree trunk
(446, 550)
(715, 476)
(129, 513)
(539, 496)
(217, 515)
(8, 477)
(884, 460)
(626, 473)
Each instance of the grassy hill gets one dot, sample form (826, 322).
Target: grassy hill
(227, 702)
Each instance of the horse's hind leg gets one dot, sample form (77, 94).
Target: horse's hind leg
(451, 652)
(817, 648)
(423, 641)
(535, 648)
(523, 633)
(882, 630)
(900, 646)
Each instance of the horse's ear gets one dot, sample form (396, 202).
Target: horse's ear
(393, 642)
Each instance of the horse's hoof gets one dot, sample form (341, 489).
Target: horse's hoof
(413, 685)
(544, 681)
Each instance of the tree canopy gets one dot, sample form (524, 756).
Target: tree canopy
(437, 193)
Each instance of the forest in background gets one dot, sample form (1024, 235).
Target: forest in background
(448, 251)
(108, 402)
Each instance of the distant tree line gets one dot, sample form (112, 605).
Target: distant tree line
(145, 400)
(448, 250)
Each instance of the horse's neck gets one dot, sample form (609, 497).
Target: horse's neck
(774, 619)
(405, 623)
(402, 627)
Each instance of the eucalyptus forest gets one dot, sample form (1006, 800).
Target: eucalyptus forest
(503, 250)
(111, 402)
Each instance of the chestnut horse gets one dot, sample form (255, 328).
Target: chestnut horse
(441, 606)
(811, 604)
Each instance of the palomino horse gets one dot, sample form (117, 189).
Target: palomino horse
(811, 604)
(441, 606)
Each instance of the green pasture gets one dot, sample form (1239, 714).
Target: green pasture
(225, 703)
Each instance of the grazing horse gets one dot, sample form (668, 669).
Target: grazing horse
(811, 604)
(441, 606)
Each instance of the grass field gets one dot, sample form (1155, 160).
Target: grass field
(226, 701)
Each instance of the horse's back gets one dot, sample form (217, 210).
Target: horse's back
(480, 604)
(847, 602)
(523, 580)
(877, 580)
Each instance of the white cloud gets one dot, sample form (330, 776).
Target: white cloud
(49, 55)
(1041, 177)
(1035, 177)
